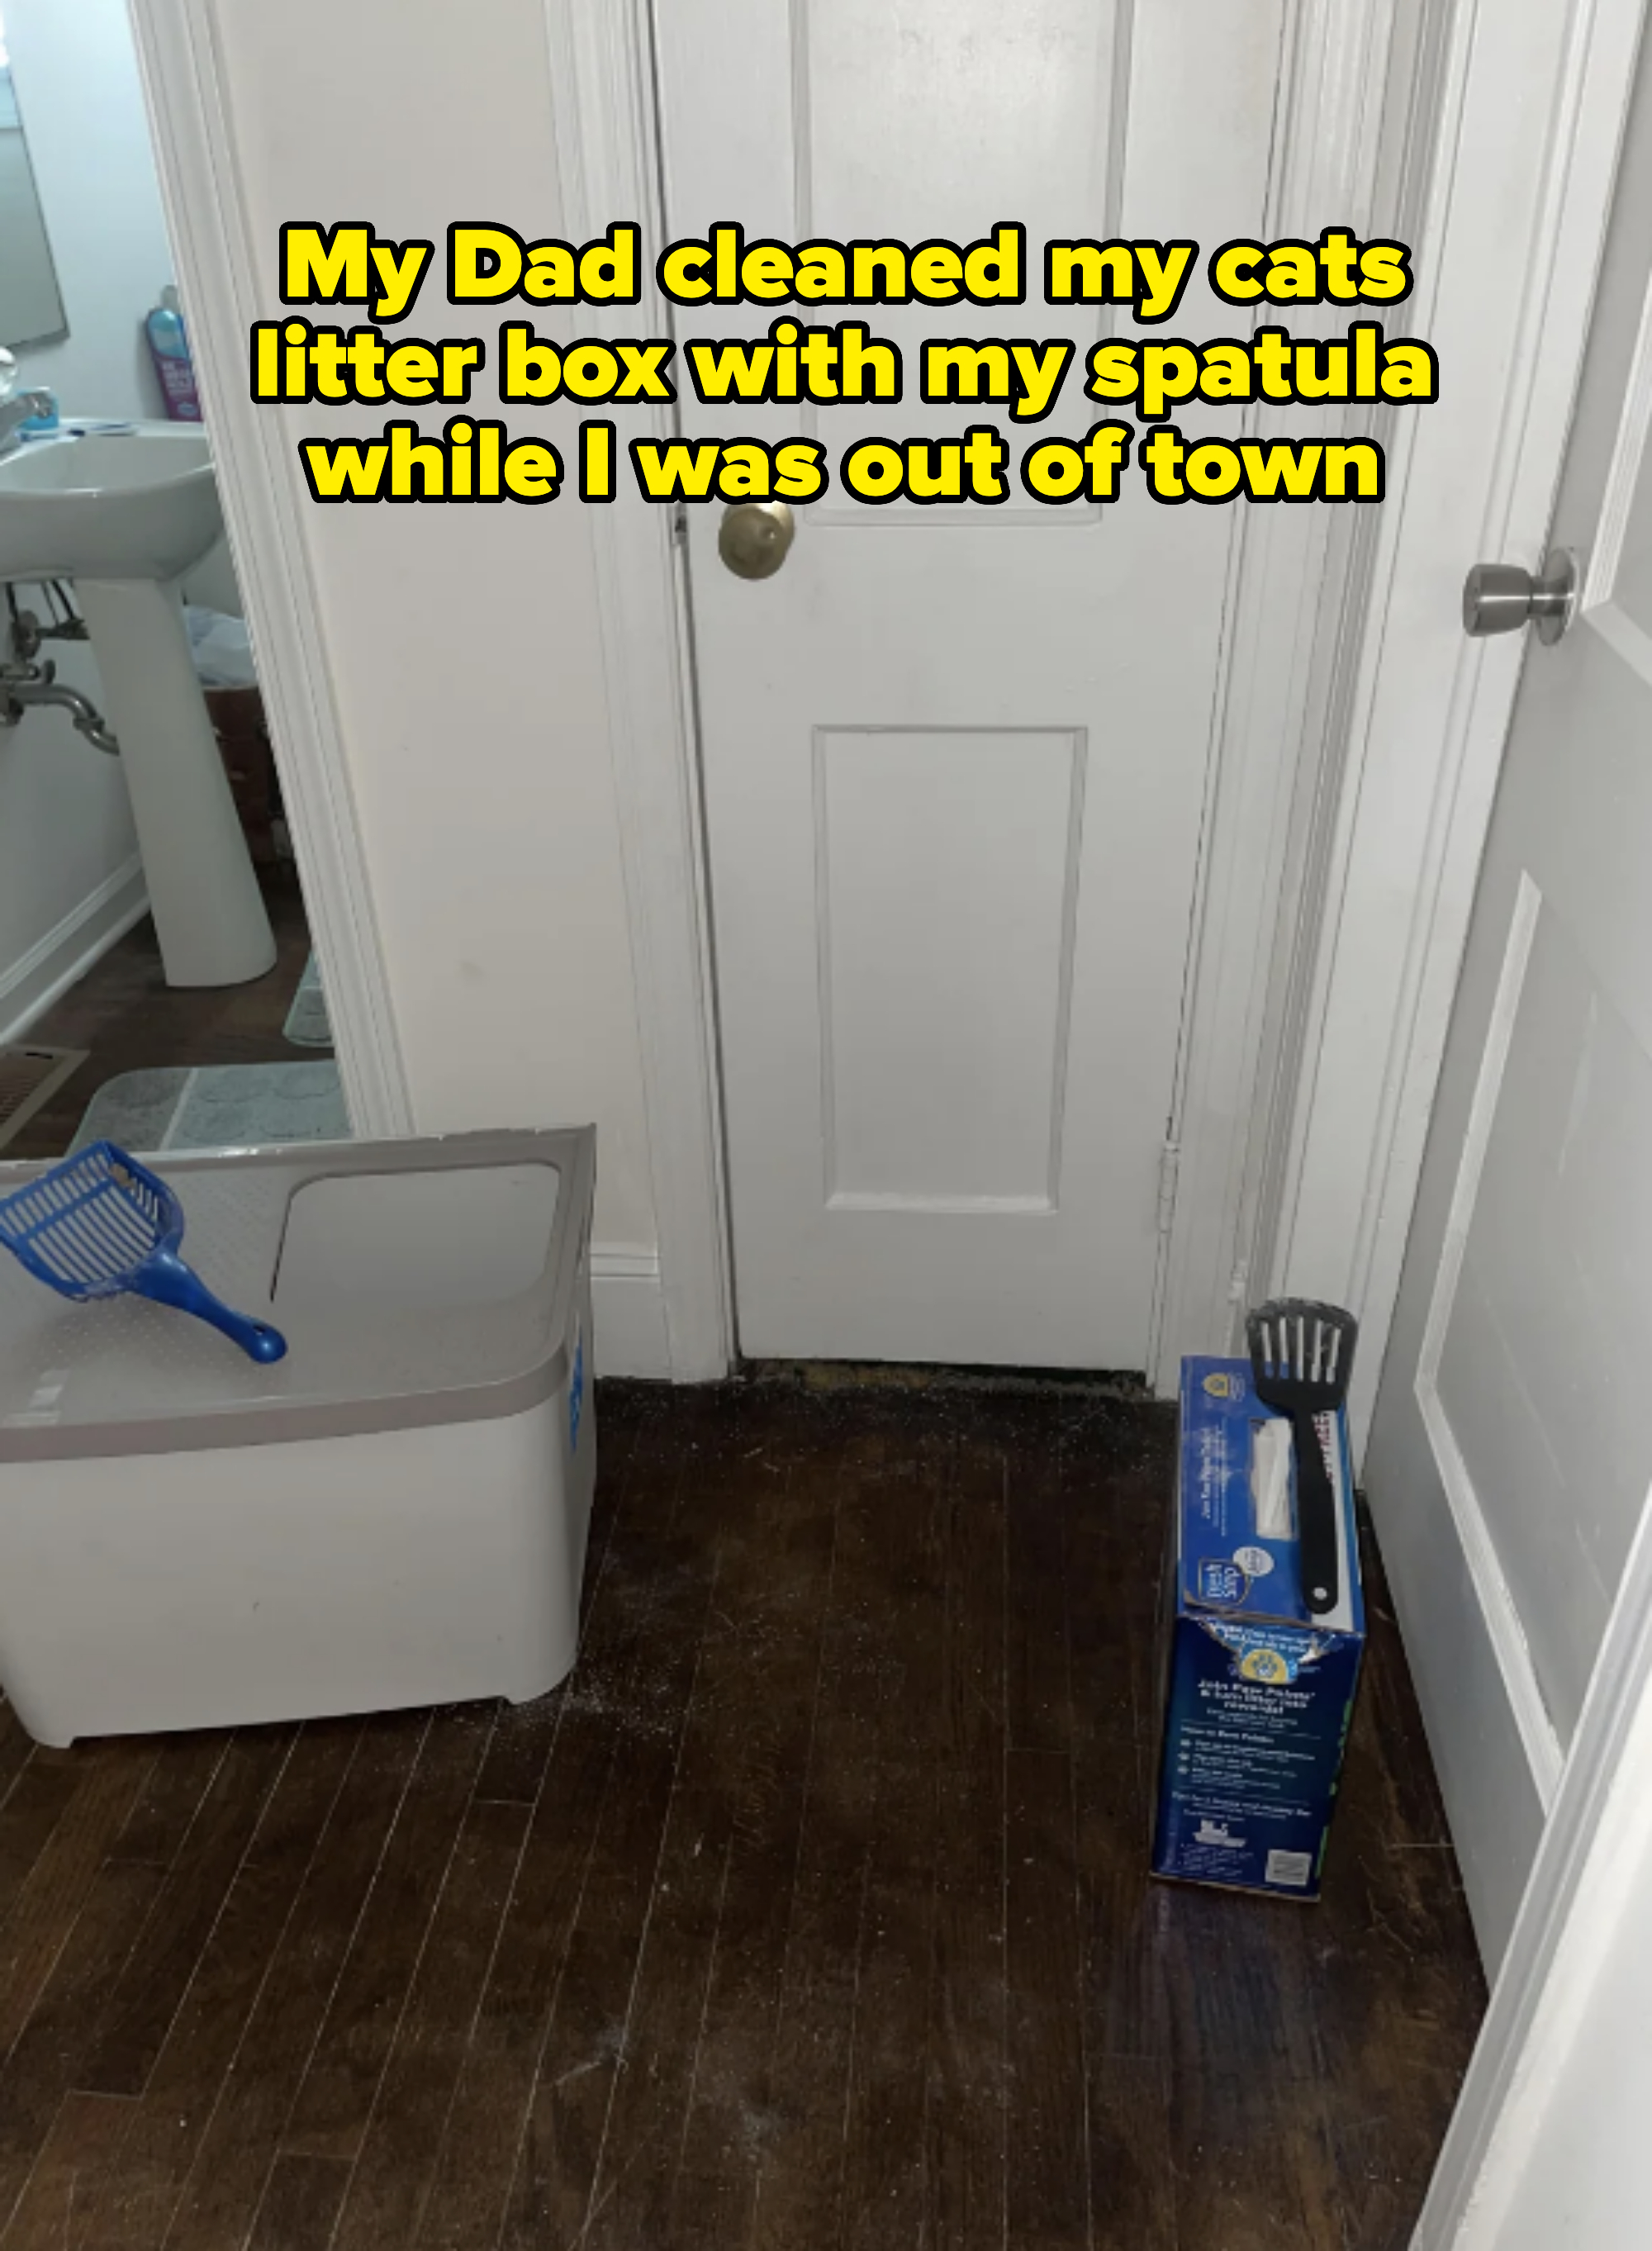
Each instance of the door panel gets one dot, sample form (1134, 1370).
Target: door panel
(956, 758)
(938, 109)
(1561, 1194)
(946, 1030)
(1511, 1452)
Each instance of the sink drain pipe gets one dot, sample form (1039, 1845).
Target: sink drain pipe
(24, 682)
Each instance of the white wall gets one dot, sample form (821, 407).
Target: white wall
(76, 74)
(463, 640)
(69, 871)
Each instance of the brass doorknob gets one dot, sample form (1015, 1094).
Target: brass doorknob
(755, 537)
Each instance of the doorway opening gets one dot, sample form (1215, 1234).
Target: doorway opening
(156, 982)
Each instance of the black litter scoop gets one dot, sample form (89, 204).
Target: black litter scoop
(1302, 1354)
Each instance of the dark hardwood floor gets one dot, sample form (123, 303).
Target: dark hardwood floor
(811, 1913)
(130, 1018)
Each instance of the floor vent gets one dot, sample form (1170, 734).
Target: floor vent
(29, 1077)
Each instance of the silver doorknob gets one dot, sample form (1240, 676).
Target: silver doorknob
(1500, 598)
(755, 536)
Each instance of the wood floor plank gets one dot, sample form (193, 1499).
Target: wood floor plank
(974, 1529)
(967, 2089)
(47, 2054)
(1040, 1680)
(632, 2192)
(232, 2164)
(1048, 2197)
(518, 1747)
(1128, 1920)
(756, 1704)
(561, 2146)
(585, 2048)
(490, 2113)
(483, 2132)
(137, 2191)
(1116, 1517)
(180, 1773)
(886, 2153)
(146, 1997)
(232, 2161)
(772, 1551)
(885, 2156)
(417, 1815)
(44, 1790)
(84, 2129)
(100, 1781)
(799, 2189)
(1128, 2100)
(1251, 2163)
(1258, 2015)
(1249, 2134)
(629, 2190)
(300, 2204)
(388, 2187)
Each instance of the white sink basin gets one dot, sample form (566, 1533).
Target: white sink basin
(139, 505)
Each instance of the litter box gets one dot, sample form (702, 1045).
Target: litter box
(394, 1514)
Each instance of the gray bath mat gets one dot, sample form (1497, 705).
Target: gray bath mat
(307, 1023)
(235, 1105)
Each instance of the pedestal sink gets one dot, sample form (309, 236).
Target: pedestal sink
(121, 516)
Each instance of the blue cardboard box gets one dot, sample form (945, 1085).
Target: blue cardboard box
(1260, 1693)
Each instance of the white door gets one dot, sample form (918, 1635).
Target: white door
(1511, 1452)
(955, 757)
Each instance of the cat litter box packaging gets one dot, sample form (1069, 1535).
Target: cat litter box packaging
(1259, 1692)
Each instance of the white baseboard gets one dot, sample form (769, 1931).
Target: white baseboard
(64, 955)
(628, 1311)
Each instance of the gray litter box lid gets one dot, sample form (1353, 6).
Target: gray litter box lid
(416, 1282)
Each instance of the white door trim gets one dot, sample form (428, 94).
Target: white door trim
(1286, 590)
(265, 506)
(1507, 255)
(609, 166)
(1290, 577)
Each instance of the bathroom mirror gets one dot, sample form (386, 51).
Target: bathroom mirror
(30, 305)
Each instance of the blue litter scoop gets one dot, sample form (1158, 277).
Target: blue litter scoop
(101, 1224)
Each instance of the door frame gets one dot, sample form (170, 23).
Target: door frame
(265, 507)
(608, 162)
(1289, 571)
